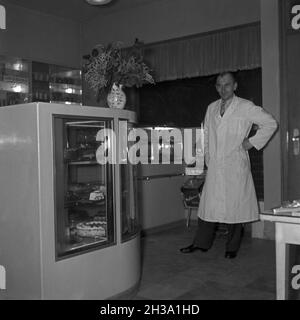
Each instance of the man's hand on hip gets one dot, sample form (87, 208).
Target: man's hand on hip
(246, 144)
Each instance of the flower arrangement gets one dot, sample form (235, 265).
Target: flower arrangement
(111, 64)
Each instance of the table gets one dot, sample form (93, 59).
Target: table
(287, 231)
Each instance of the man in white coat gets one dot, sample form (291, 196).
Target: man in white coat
(228, 195)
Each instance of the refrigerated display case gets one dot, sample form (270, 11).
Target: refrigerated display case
(70, 227)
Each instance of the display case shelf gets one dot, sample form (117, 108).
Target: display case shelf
(84, 203)
(76, 163)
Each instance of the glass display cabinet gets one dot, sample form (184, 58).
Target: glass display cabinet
(23, 81)
(65, 85)
(40, 82)
(14, 81)
(70, 227)
(56, 84)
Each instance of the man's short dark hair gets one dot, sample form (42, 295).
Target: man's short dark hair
(225, 73)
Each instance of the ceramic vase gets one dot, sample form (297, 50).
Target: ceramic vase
(116, 98)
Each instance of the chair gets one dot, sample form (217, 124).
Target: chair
(191, 191)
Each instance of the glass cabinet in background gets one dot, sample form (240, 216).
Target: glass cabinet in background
(23, 81)
(56, 84)
(65, 85)
(40, 82)
(14, 81)
(84, 188)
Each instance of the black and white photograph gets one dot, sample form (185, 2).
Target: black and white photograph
(149, 153)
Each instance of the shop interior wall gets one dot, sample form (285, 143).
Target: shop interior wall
(40, 37)
(167, 19)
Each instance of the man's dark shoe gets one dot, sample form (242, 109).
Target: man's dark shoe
(191, 248)
(230, 254)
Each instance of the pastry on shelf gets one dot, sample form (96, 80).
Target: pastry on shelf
(96, 195)
(91, 229)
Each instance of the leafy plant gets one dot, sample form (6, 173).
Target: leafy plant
(111, 64)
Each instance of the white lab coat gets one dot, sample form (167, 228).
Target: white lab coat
(228, 195)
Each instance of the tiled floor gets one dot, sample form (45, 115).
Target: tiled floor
(169, 274)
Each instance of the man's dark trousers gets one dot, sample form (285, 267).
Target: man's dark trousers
(206, 233)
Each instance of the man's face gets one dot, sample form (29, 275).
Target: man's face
(226, 86)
